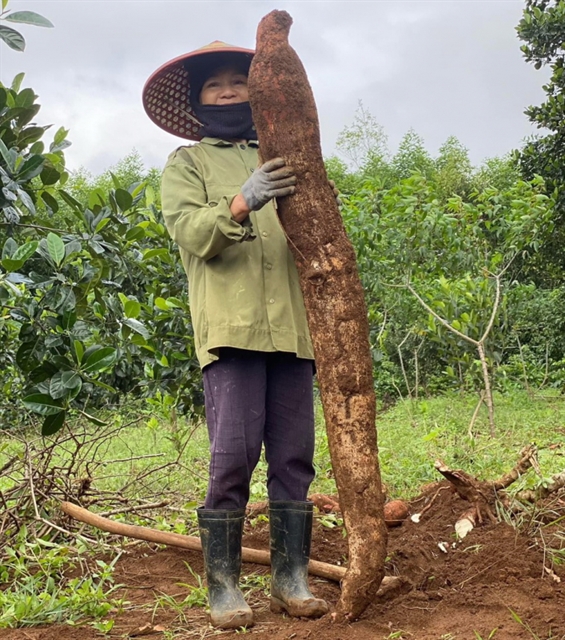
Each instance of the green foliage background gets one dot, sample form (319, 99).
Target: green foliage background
(94, 298)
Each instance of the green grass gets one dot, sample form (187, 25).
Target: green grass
(38, 591)
(412, 435)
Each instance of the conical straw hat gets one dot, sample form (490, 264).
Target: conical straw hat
(166, 95)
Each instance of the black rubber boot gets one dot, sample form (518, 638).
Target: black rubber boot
(291, 535)
(220, 533)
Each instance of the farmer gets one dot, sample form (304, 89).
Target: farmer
(250, 328)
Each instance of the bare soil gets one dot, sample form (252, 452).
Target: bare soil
(464, 592)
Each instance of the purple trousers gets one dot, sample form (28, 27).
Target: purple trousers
(253, 398)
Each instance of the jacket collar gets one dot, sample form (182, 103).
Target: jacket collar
(218, 142)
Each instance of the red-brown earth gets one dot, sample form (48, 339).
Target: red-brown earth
(470, 591)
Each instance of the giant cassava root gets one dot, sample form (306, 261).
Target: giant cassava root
(286, 119)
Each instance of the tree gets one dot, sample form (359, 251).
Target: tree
(412, 157)
(93, 295)
(13, 38)
(541, 29)
(450, 257)
(364, 142)
(453, 169)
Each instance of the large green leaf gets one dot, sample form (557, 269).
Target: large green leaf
(17, 82)
(29, 17)
(37, 148)
(152, 253)
(78, 349)
(12, 38)
(53, 423)
(43, 372)
(72, 202)
(30, 168)
(29, 136)
(20, 255)
(56, 248)
(117, 183)
(134, 233)
(60, 135)
(43, 404)
(25, 98)
(102, 385)
(9, 157)
(124, 199)
(26, 200)
(50, 201)
(100, 359)
(9, 248)
(49, 176)
(137, 326)
(132, 309)
(63, 382)
(27, 356)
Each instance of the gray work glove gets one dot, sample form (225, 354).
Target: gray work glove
(271, 180)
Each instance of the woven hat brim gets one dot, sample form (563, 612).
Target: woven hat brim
(166, 94)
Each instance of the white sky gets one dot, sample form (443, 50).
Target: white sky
(443, 68)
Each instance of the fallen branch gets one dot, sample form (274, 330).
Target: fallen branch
(316, 568)
(70, 467)
(528, 459)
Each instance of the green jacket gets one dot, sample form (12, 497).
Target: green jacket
(243, 285)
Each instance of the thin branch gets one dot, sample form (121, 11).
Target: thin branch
(35, 226)
(399, 349)
(140, 507)
(383, 325)
(494, 310)
(439, 318)
(476, 413)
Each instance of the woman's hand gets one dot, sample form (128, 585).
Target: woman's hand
(239, 209)
(274, 179)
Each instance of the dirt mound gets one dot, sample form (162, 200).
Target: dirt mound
(493, 584)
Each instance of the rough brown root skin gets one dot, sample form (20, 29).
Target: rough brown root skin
(286, 119)
(483, 495)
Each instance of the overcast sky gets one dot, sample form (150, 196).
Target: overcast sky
(440, 67)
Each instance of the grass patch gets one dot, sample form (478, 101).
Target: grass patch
(40, 592)
(412, 435)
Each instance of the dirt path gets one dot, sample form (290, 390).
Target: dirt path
(469, 589)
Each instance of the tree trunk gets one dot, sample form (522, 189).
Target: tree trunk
(285, 115)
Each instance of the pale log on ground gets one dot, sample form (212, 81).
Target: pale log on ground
(286, 118)
(390, 585)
